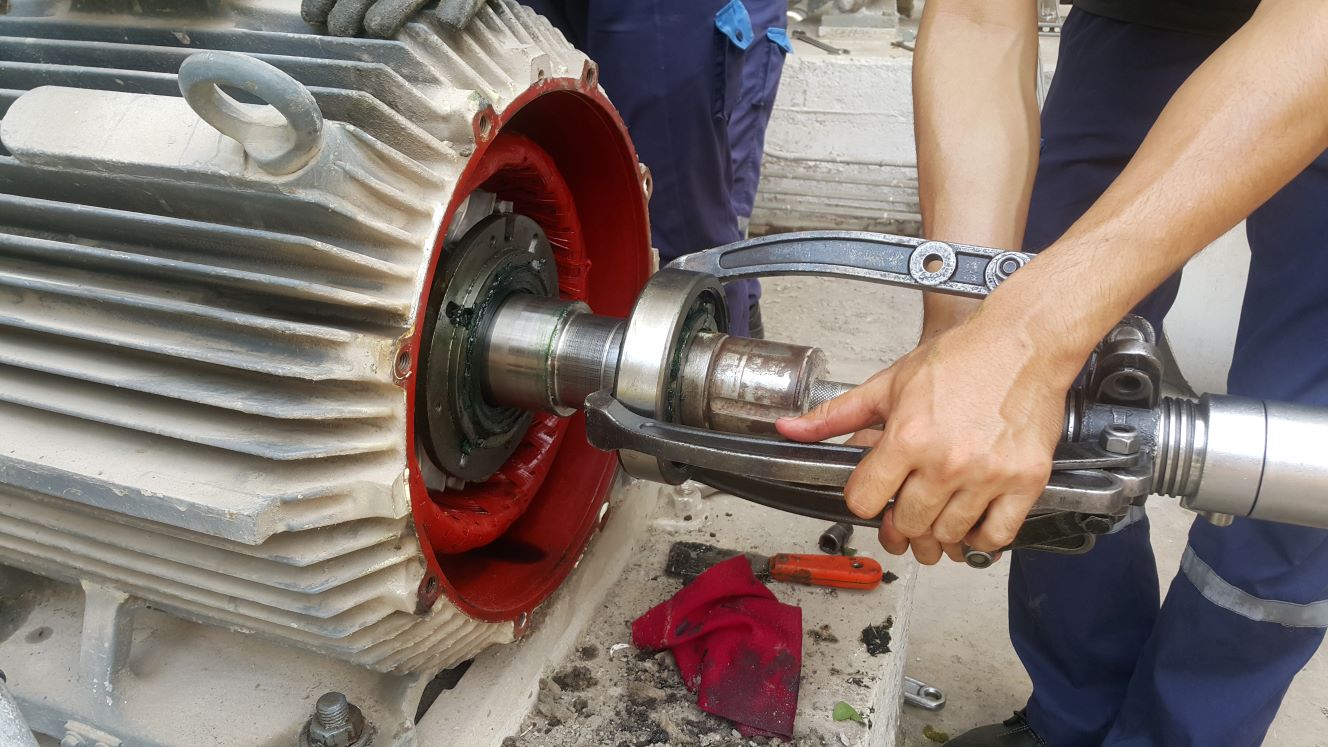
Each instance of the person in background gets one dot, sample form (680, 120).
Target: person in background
(694, 81)
(1167, 123)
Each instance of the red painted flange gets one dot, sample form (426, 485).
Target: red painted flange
(561, 155)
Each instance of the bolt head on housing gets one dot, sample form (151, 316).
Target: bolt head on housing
(1120, 439)
(336, 722)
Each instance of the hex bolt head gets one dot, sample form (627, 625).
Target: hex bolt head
(332, 710)
(335, 723)
(1120, 439)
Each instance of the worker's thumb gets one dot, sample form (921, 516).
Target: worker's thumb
(852, 411)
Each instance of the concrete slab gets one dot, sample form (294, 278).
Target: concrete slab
(608, 693)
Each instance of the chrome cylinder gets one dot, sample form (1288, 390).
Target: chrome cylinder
(547, 354)
(1228, 438)
(586, 357)
(1294, 484)
(1244, 457)
(743, 385)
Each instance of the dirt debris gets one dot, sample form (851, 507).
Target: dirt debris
(575, 679)
(640, 699)
(647, 706)
(877, 637)
(823, 634)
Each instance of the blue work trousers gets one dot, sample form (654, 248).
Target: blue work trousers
(1111, 664)
(678, 72)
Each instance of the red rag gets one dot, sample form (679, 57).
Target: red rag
(737, 646)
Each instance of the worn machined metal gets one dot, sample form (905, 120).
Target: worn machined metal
(1079, 469)
(520, 350)
(674, 308)
(1226, 466)
(1126, 368)
(835, 538)
(500, 258)
(547, 354)
(743, 385)
(1119, 439)
(903, 261)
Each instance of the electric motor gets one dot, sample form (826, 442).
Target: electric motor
(242, 270)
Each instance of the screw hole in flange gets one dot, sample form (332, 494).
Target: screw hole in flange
(590, 76)
(402, 366)
(485, 125)
(647, 181)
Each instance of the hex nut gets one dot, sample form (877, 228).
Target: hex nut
(1120, 439)
(336, 723)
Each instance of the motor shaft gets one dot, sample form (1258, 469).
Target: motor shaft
(547, 354)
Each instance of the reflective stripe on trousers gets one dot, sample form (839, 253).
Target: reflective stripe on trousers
(1219, 591)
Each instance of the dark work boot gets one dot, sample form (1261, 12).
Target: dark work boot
(1012, 732)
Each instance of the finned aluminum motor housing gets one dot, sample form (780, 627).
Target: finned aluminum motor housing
(212, 314)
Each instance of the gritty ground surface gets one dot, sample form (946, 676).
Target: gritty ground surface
(609, 693)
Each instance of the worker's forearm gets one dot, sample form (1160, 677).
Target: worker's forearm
(975, 114)
(1248, 120)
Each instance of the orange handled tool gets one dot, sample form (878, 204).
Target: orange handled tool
(839, 571)
(688, 560)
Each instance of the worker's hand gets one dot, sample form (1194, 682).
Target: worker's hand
(971, 418)
(383, 18)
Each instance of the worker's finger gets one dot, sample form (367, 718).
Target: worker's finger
(1001, 523)
(315, 11)
(893, 542)
(926, 549)
(386, 17)
(959, 515)
(874, 483)
(868, 438)
(953, 551)
(854, 410)
(918, 502)
(347, 17)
